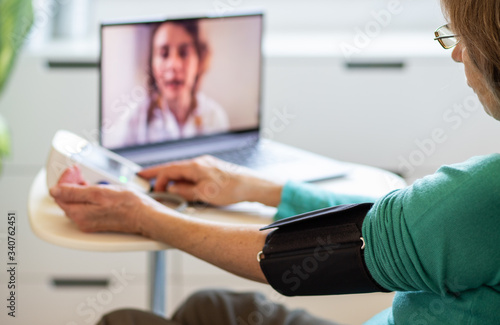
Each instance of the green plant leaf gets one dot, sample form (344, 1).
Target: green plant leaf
(16, 19)
(4, 138)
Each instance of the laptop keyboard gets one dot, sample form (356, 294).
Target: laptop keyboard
(252, 156)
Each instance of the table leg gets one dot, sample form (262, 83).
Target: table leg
(158, 282)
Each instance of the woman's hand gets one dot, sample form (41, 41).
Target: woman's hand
(214, 181)
(101, 208)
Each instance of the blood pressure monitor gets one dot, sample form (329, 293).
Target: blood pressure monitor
(98, 165)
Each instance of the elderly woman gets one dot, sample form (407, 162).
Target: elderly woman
(434, 242)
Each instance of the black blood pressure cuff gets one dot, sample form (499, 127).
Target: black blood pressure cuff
(318, 253)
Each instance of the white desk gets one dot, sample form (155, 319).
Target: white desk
(50, 224)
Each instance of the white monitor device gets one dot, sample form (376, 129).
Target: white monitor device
(98, 165)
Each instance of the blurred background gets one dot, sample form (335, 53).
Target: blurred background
(363, 80)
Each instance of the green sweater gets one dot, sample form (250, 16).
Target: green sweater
(435, 242)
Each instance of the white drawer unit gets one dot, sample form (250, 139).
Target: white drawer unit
(405, 115)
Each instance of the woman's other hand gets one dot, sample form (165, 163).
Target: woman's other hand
(213, 181)
(101, 208)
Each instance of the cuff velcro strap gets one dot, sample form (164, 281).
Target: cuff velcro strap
(318, 253)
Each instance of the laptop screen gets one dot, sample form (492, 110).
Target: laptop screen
(178, 79)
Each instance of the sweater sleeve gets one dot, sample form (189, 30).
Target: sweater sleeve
(297, 198)
(441, 234)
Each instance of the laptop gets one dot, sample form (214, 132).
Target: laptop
(173, 89)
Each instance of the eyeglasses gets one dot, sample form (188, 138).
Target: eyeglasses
(445, 37)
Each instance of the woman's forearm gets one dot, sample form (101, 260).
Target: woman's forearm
(231, 247)
(263, 191)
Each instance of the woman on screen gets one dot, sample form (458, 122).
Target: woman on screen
(176, 108)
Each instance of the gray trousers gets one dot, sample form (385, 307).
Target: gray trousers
(218, 307)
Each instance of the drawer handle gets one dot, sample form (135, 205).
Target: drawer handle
(75, 282)
(72, 64)
(375, 65)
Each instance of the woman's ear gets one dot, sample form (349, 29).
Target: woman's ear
(458, 52)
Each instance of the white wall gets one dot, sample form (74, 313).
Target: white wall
(281, 15)
(287, 15)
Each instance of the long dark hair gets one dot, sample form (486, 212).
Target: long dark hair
(191, 26)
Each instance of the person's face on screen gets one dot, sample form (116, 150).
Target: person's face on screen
(174, 62)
